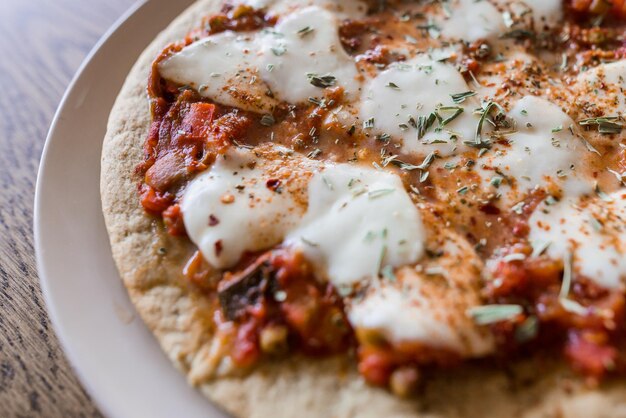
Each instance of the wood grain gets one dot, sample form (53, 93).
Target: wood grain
(42, 43)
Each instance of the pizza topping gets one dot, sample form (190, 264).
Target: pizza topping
(343, 9)
(470, 21)
(422, 310)
(427, 112)
(278, 306)
(605, 84)
(377, 223)
(233, 80)
(424, 182)
(543, 14)
(615, 8)
(373, 221)
(252, 216)
(421, 317)
(238, 292)
(594, 233)
(254, 70)
(539, 152)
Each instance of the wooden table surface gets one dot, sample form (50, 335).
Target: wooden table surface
(42, 43)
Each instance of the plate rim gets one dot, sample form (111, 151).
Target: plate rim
(42, 271)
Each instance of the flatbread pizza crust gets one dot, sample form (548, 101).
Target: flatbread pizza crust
(150, 262)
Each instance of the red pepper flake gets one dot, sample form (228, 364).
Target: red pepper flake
(213, 220)
(218, 247)
(273, 184)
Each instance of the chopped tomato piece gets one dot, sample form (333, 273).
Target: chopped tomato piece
(619, 8)
(312, 310)
(246, 350)
(167, 172)
(173, 218)
(376, 366)
(590, 354)
(197, 122)
(154, 202)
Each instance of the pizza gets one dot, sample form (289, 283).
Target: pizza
(351, 208)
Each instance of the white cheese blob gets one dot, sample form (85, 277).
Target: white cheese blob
(395, 99)
(358, 221)
(544, 13)
(404, 319)
(224, 68)
(344, 9)
(318, 51)
(471, 20)
(242, 69)
(604, 87)
(595, 234)
(429, 306)
(229, 209)
(542, 151)
(419, 318)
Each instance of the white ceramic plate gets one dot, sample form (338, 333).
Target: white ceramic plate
(113, 353)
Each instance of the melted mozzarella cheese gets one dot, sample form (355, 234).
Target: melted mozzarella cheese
(605, 84)
(318, 52)
(398, 96)
(401, 318)
(358, 221)
(229, 209)
(595, 234)
(417, 318)
(241, 70)
(429, 306)
(223, 68)
(471, 20)
(542, 151)
(544, 13)
(344, 9)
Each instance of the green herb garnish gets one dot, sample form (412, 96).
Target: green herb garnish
(460, 97)
(322, 81)
(267, 120)
(605, 124)
(375, 194)
(305, 31)
(489, 314)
